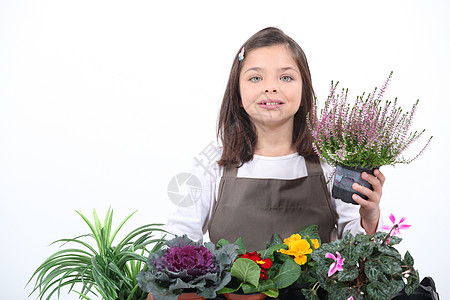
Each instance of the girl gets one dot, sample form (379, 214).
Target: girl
(268, 178)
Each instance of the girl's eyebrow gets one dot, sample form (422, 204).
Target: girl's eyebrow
(258, 69)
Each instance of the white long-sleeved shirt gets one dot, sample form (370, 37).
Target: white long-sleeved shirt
(193, 220)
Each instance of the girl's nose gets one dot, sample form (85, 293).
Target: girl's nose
(271, 90)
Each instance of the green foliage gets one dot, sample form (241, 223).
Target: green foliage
(100, 269)
(283, 272)
(310, 231)
(246, 270)
(372, 269)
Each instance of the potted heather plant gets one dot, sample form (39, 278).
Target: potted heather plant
(370, 134)
(184, 269)
(98, 268)
(364, 267)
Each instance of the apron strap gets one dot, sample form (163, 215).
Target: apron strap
(313, 166)
(230, 171)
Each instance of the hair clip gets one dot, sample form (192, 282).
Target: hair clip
(241, 54)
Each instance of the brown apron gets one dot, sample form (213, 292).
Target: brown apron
(256, 208)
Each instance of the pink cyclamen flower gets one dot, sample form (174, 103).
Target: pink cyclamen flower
(351, 298)
(337, 265)
(396, 227)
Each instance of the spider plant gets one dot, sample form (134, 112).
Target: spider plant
(100, 270)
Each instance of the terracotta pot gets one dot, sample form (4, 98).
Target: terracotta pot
(190, 296)
(183, 296)
(232, 296)
(344, 178)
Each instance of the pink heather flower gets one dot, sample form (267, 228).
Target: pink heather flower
(396, 227)
(337, 265)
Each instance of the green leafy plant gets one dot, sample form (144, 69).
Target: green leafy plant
(365, 267)
(280, 265)
(300, 247)
(100, 269)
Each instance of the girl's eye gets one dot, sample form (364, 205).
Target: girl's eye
(286, 78)
(255, 79)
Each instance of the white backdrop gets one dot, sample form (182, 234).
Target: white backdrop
(103, 102)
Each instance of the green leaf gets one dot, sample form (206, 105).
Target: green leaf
(396, 286)
(263, 286)
(373, 270)
(310, 294)
(365, 248)
(120, 226)
(389, 251)
(390, 265)
(275, 239)
(107, 225)
(288, 274)
(339, 293)
(395, 240)
(348, 238)
(361, 238)
(348, 274)
(246, 270)
(94, 232)
(311, 231)
(413, 282)
(273, 293)
(248, 288)
(378, 291)
(351, 255)
(221, 243)
(98, 225)
(231, 287)
(409, 260)
(240, 243)
(227, 289)
(307, 277)
(268, 253)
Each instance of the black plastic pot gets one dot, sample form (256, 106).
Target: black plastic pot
(344, 178)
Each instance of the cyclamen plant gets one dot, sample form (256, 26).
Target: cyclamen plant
(364, 267)
(367, 135)
(186, 266)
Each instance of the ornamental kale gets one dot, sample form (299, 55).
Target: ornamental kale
(187, 266)
(196, 260)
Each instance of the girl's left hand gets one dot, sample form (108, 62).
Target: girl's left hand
(370, 208)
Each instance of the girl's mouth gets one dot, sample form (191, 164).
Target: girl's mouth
(270, 103)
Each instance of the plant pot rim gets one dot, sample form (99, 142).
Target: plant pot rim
(243, 296)
(357, 168)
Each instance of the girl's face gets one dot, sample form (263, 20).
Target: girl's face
(270, 86)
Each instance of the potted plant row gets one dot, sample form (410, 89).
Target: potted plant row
(361, 137)
(353, 267)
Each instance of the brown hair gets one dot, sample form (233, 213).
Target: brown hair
(235, 129)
